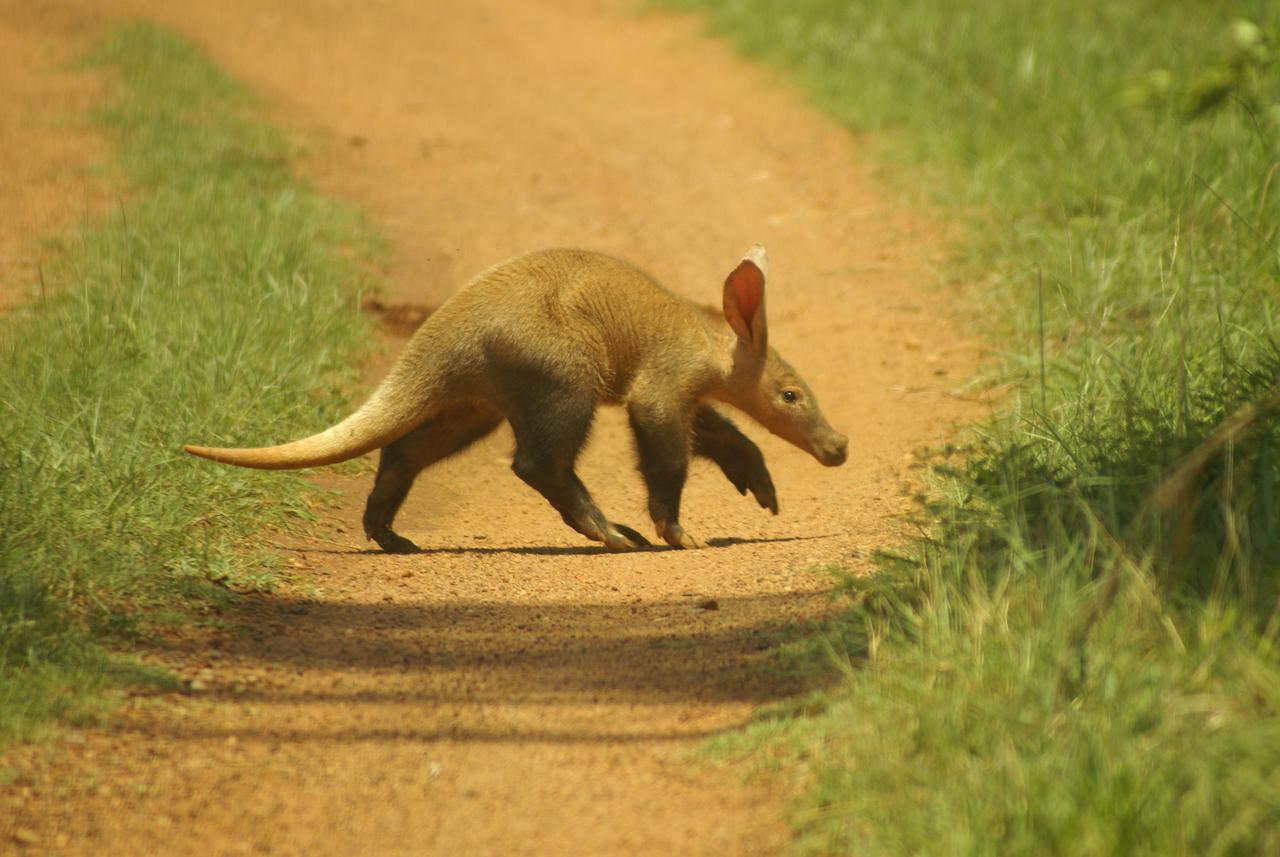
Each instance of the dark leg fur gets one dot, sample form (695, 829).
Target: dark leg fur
(402, 461)
(662, 441)
(545, 458)
(718, 439)
(549, 436)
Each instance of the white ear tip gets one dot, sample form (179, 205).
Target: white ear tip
(757, 257)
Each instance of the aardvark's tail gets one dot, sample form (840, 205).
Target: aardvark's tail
(384, 418)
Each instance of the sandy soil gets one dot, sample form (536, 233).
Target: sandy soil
(47, 143)
(515, 689)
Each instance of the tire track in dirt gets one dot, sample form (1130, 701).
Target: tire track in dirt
(515, 689)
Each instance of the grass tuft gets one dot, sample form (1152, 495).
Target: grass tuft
(214, 305)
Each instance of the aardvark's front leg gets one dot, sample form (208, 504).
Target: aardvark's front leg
(663, 444)
(718, 439)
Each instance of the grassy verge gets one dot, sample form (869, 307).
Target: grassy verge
(216, 304)
(1082, 658)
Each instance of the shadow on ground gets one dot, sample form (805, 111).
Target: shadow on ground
(549, 669)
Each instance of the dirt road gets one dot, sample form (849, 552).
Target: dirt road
(514, 689)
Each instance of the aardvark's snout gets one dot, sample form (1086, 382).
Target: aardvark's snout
(832, 451)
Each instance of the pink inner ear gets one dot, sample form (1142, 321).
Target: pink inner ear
(747, 284)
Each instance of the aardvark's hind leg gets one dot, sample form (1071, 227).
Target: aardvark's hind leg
(402, 461)
(549, 436)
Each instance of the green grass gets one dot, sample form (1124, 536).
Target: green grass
(1081, 658)
(214, 304)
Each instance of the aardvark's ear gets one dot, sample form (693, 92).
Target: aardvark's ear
(744, 300)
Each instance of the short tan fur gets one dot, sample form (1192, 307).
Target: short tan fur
(540, 341)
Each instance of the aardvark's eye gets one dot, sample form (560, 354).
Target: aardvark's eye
(790, 396)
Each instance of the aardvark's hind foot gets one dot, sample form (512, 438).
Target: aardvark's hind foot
(621, 537)
(616, 537)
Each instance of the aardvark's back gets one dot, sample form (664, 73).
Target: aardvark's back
(588, 319)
